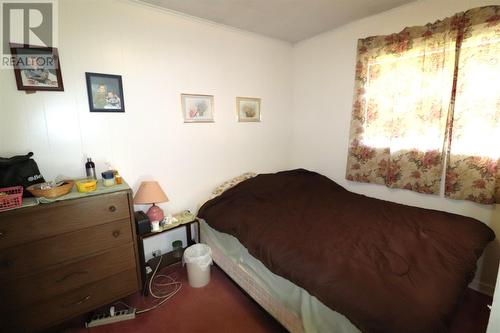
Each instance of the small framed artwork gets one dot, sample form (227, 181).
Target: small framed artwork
(197, 108)
(36, 68)
(105, 92)
(248, 109)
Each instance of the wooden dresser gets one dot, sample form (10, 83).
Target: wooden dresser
(66, 258)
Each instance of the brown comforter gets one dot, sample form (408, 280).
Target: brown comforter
(386, 266)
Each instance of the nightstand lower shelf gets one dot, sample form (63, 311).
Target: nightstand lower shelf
(168, 258)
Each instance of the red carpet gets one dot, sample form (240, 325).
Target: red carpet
(218, 307)
(223, 307)
(473, 313)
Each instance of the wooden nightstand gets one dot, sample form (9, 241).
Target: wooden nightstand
(168, 258)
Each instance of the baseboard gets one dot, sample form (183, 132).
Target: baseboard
(482, 287)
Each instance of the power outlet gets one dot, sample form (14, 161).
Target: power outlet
(105, 318)
(156, 253)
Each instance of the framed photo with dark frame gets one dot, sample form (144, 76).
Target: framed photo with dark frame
(36, 67)
(105, 92)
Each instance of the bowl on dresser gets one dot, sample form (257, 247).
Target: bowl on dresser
(52, 192)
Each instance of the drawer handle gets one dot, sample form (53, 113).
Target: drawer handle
(2, 233)
(67, 276)
(6, 263)
(81, 301)
(116, 233)
(112, 208)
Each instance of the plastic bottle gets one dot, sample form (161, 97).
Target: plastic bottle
(90, 169)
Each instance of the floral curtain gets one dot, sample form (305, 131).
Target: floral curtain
(473, 171)
(405, 110)
(402, 94)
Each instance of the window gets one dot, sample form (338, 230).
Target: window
(425, 96)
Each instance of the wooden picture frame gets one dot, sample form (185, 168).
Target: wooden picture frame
(36, 68)
(248, 109)
(105, 92)
(197, 108)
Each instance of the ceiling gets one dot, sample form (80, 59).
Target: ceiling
(288, 20)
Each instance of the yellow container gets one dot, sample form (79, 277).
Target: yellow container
(86, 185)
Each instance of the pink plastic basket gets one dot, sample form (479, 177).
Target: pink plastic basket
(11, 197)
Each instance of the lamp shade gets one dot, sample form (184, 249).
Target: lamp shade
(150, 192)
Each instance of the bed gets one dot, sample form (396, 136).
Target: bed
(322, 259)
(291, 305)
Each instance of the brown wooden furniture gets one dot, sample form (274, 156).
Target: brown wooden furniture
(66, 258)
(169, 258)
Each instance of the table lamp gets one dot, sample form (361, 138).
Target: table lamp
(150, 192)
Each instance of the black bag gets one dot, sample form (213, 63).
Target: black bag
(19, 171)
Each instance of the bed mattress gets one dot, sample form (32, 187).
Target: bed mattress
(291, 305)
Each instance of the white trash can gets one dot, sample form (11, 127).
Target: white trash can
(198, 258)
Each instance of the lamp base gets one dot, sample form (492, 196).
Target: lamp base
(155, 213)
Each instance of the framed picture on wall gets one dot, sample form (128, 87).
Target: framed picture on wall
(105, 92)
(197, 108)
(36, 68)
(248, 109)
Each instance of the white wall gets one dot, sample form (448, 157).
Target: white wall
(323, 95)
(160, 55)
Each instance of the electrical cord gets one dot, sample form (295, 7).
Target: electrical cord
(155, 289)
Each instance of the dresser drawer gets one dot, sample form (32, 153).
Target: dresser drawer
(73, 303)
(33, 257)
(48, 284)
(33, 223)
